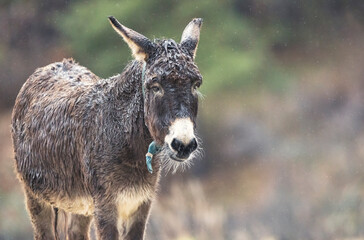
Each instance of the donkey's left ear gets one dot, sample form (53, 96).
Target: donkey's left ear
(140, 45)
(191, 36)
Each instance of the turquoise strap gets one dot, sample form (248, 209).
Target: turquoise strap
(143, 78)
(152, 150)
(153, 147)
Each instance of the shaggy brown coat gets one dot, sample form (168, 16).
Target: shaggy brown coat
(80, 141)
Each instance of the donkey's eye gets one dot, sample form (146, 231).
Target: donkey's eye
(196, 85)
(156, 89)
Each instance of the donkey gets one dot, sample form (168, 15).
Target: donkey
(80, 140)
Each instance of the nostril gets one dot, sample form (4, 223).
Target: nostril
(177, 145)
(192, 145)
(183, 151)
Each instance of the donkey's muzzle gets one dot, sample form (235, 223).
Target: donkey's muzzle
(184, 151)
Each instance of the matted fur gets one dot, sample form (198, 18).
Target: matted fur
(80, 141)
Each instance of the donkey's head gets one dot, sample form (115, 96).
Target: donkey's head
(171, 82)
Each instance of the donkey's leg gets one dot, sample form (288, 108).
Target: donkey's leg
(42, 217)
(138, 222)
(106, 220)
(78, 229)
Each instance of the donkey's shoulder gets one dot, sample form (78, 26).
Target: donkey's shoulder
(56, 86)
(66, 70)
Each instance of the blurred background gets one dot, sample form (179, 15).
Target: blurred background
(281, 118)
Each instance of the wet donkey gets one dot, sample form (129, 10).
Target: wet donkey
(80, 141)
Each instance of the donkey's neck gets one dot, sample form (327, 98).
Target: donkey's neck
(127, 103)
(129, 82)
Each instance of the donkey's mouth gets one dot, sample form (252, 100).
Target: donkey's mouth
(172, 160)
(176, 159)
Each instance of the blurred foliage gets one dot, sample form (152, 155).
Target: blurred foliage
(232, 52)
(237, 40)
(241, 41)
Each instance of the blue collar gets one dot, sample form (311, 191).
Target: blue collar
(152, 150)
(143, 78)
(153, 147)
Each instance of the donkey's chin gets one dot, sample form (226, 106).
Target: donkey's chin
(172, 163)
(175, 158)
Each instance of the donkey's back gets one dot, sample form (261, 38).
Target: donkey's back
(47, 127)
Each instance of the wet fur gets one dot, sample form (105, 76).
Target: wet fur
(77, 136)
(79, 139)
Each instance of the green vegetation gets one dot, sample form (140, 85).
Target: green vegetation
(233, 53)
(237, 41)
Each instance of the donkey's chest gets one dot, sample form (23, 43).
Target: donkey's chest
(79, 205)
(126, 202)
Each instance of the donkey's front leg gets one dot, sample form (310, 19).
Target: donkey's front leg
(138, 222)
(106, 220)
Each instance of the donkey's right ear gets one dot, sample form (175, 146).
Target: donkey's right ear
(191, 36)
(140, 45)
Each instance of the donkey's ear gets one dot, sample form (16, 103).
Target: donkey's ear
(191, 36)
(140, 45)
